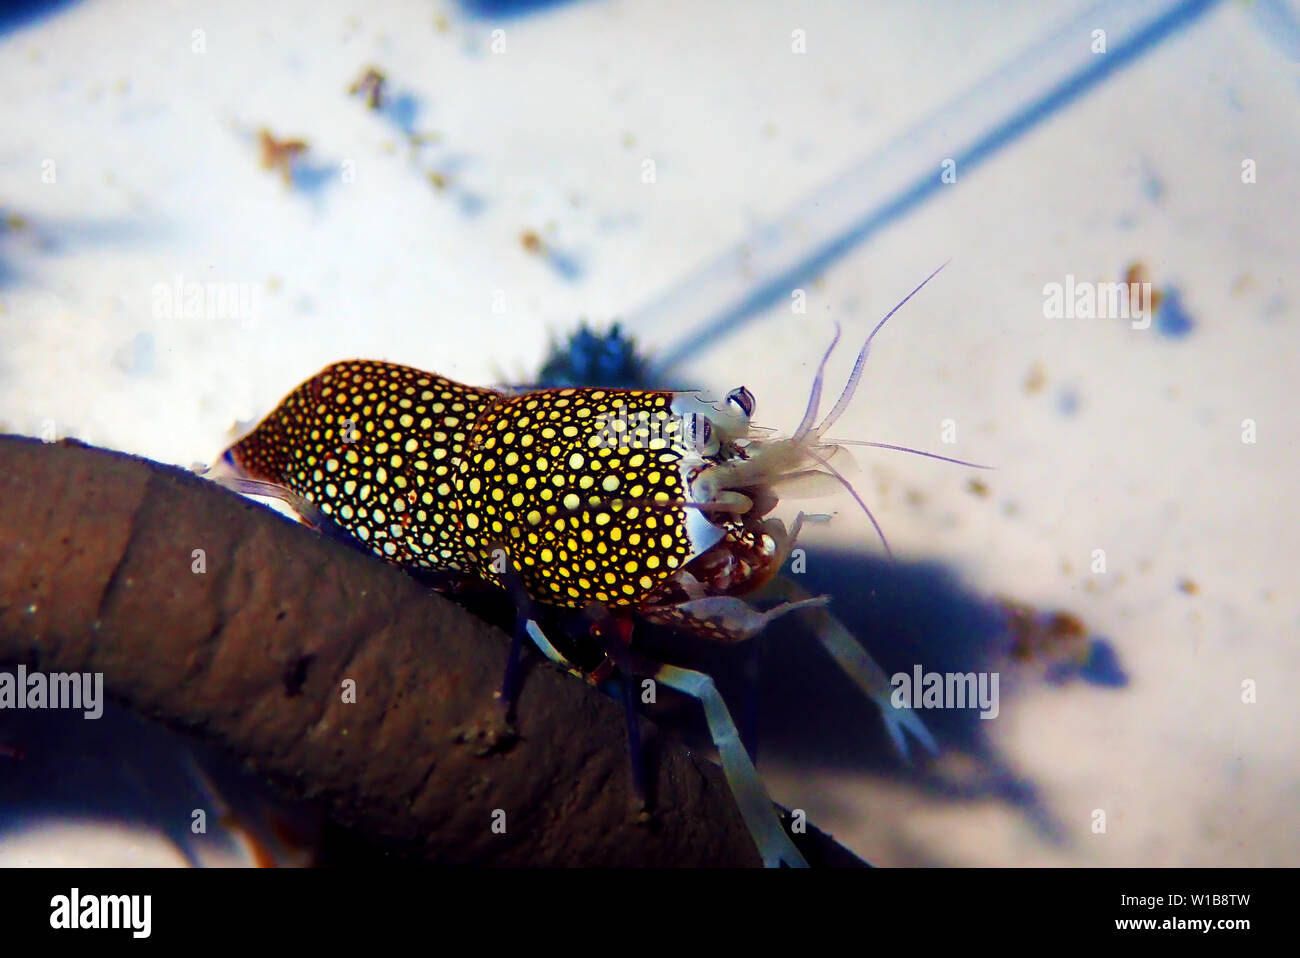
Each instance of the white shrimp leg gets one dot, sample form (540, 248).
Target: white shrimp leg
(544, 644)
(755, 805)
(225, 473)
(858, 665)
(732, 617)
(307, 510)
(774, 844)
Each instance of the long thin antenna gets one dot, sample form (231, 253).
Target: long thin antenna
(857, 498)
(850, 387)
(915, 452)
(815, 397)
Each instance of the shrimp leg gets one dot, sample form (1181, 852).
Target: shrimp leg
(774, 845)
(858, 665)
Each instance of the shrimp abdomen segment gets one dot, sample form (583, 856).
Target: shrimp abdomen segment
(374, 446)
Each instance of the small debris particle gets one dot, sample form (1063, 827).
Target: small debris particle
(437, 180)
(1043, 636)
(977, 487)
(1036, 379)
(279, 154)
(371, 83)
(1174, 320)
(1057, 646)
(531, 241)
(1135, 276)
(1188, 587)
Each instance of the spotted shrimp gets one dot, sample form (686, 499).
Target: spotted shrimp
(619, 504)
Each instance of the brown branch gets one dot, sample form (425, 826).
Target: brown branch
(96, 575)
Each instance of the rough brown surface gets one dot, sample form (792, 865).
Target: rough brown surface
(96, 557)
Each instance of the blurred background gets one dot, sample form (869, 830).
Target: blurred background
(203, 203)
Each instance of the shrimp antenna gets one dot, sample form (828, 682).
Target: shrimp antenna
(846, 396)
(858, 499)
(815, 397)
(916, 452)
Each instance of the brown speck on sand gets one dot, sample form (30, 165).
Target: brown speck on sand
(1135, 276)
(977, 487)
(1187, 586)
(1036, 379)
(279, 154)
(371, 83)
(531, 241)
(1052, 637)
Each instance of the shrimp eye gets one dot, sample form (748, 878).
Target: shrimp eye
(743, 398)
(701, 433)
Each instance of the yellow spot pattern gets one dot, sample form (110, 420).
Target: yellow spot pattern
(580, 487)
(375, 445)
(592, 485)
